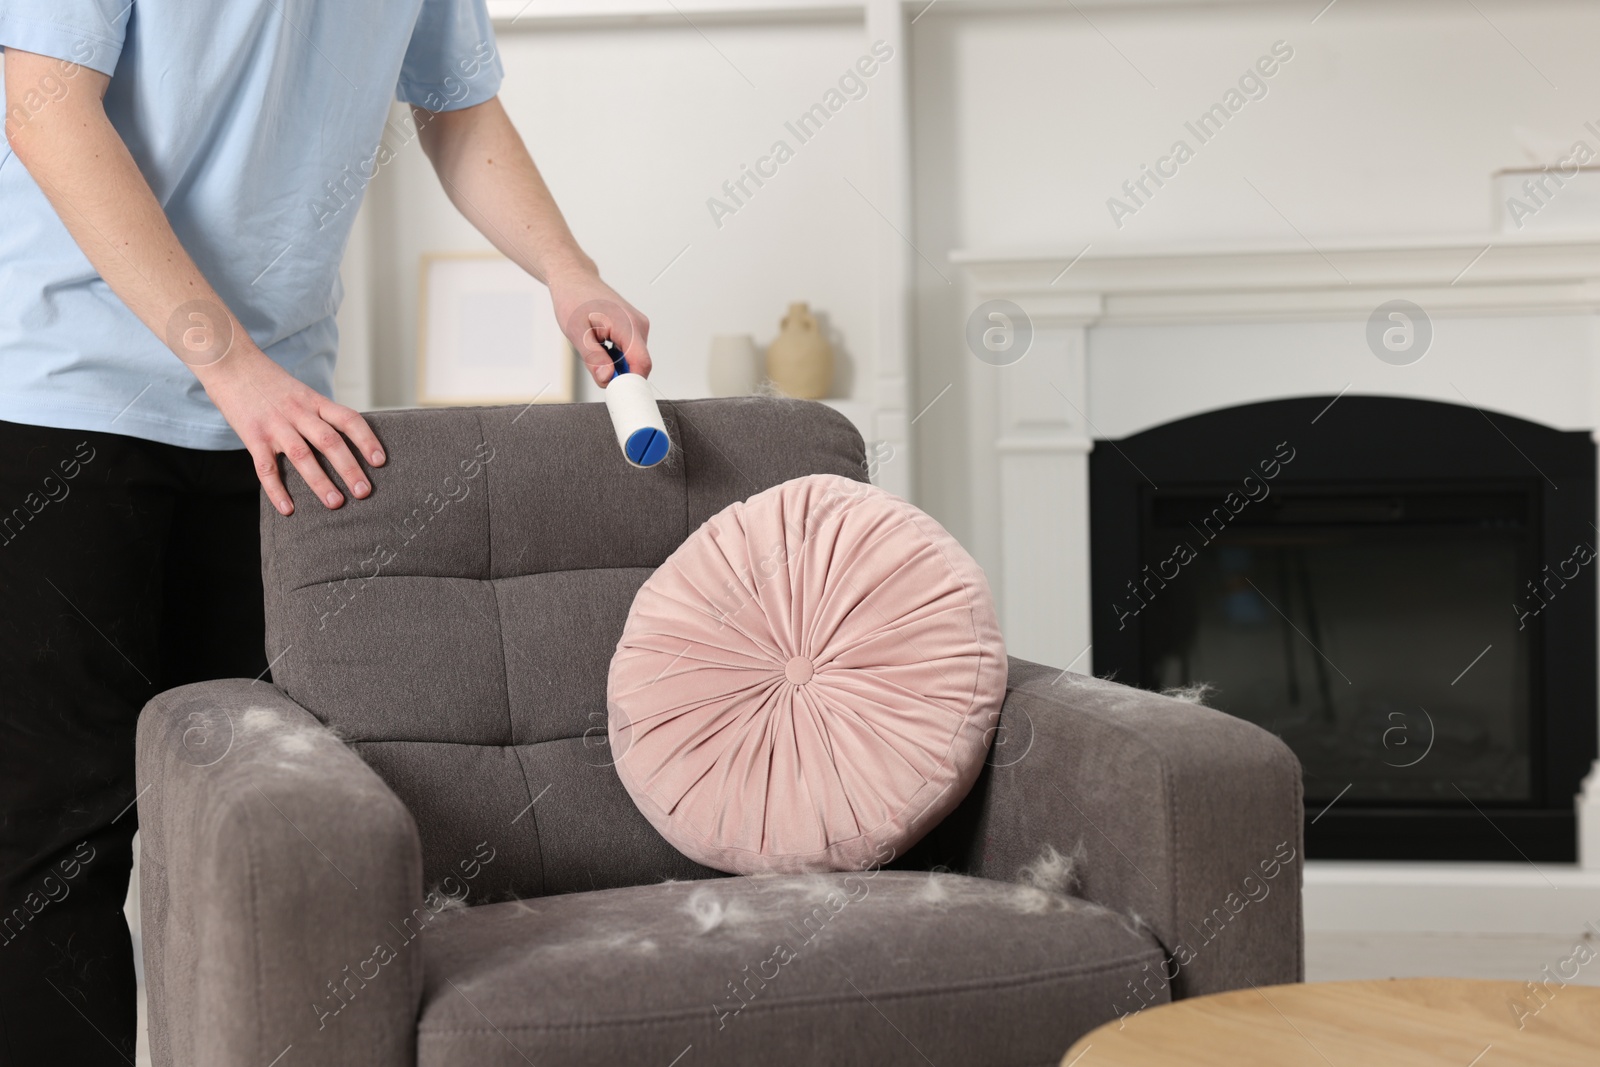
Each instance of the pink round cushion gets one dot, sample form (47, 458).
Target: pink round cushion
(808, 683)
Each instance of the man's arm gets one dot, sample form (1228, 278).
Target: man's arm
(487, 173)
(80, 162)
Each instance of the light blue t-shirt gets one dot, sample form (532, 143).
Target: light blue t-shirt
(258, 124)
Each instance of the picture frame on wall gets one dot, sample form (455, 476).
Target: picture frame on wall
(488, 334)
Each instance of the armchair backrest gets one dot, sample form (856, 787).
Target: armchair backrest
(457, 626)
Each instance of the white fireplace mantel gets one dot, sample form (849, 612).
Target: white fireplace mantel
(1490, 274)
(1129, 339)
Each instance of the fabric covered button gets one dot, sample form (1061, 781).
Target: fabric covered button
(798, 670)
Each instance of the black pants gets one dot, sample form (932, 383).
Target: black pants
(126, 567)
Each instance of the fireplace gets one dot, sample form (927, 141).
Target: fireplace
(1401, 589)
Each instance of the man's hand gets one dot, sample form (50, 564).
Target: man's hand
(590, 311)
(80, 162)
(487, 173)
(273, 414)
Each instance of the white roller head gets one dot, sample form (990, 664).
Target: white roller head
(637, 420)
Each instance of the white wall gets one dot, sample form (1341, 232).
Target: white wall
(634, 128)
(1389, 120)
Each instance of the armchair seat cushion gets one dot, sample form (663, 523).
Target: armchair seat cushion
(876, 967)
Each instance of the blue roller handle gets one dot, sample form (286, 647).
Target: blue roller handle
(618, 363)
(646, 446)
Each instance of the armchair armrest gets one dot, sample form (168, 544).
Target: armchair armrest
(274, 866)
(1188, 818)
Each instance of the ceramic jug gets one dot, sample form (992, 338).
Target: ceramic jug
(800, 359)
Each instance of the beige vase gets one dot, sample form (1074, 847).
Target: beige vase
(736, 365)
(800, 359)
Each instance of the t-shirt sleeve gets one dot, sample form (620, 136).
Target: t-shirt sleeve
(452, 61)
(87, 32)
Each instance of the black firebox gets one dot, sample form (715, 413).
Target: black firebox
(1403, 590)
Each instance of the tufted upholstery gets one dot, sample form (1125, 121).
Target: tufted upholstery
(463, 647)
(455, 629)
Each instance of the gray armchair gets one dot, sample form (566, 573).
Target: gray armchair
(410, 847)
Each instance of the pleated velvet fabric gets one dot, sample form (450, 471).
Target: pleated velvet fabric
(809, 682)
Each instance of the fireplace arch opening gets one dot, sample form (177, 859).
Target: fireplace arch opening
(1401, 589)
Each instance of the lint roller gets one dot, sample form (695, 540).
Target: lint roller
(634, 415)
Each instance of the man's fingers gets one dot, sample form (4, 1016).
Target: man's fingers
(628, 331)
(298, 452)
(596, 320)
(639, 354)
(266, 461)
(596, 358)
(326, 439)
(639, 360)
(352, 425)
(603, 327)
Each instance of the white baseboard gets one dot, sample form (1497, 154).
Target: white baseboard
(1469, 898)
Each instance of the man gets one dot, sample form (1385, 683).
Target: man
(176, 190)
